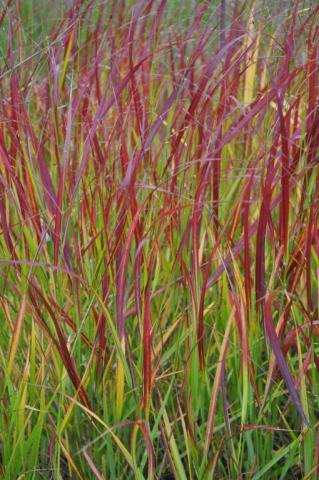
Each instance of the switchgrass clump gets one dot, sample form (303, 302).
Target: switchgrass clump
(159, 242)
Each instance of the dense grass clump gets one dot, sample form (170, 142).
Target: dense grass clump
(159, 241)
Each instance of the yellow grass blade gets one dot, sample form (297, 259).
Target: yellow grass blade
(16, 334)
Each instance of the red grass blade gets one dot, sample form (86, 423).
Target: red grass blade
(281, 362)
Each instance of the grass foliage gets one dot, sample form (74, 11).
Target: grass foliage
(159, 241)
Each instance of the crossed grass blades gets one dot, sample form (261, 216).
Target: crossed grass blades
(159, 243)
